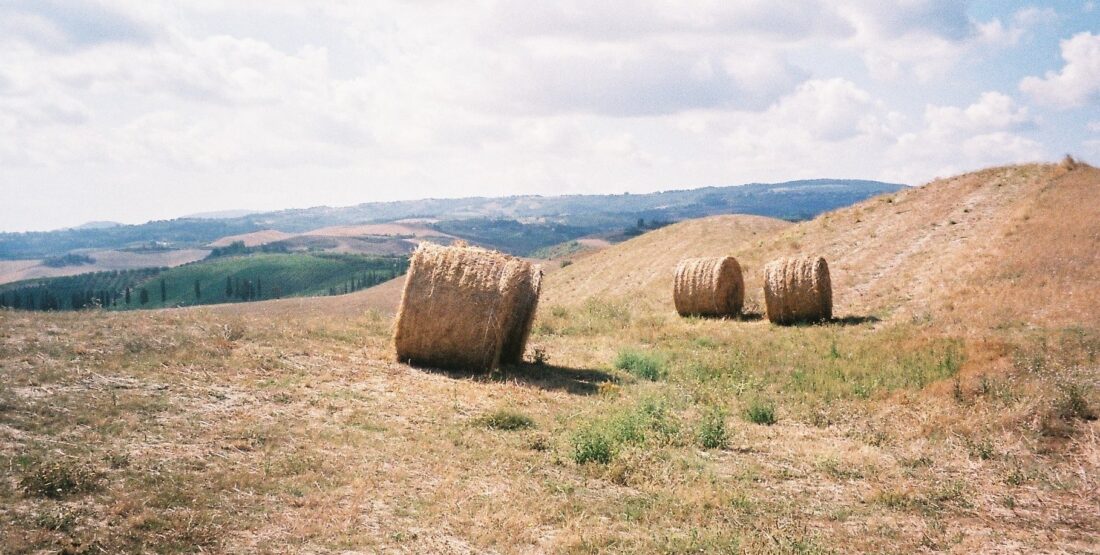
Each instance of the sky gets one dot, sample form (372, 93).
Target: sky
(135, 110)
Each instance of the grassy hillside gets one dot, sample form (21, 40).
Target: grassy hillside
(271, 276)
(963, 420)
(105, 261)
(1005, 247)
(645, 265)
(232, 279)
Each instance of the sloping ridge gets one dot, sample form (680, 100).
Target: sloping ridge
(643, 267)
(1015, 245)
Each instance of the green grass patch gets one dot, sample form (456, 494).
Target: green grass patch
(761, 412)
(712, 430)
(648, 422)
(646, 366)
(504, 419)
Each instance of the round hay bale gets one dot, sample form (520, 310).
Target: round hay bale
(709, 287)
(465, 307)
(798, 290)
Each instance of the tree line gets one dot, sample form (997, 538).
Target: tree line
(138, 288)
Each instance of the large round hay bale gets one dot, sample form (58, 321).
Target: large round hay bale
(798, 290)
(708, 287)
(465, 307)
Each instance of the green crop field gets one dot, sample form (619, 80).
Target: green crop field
(232, 279)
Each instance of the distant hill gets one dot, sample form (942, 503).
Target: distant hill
(97, 225)
(104, 260)
(219, 215)
(1013, 246)
(518, 224)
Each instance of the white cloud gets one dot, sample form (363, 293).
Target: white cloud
(992, 112)
(830, 110)
(1079, 80)
(955, 139)
(73, 23)
(929, 38)
(630, 19)
(632, 80)
(1032, 16)
(284, 104)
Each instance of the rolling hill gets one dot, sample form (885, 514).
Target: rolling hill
(644, 265)
(964, 419)
(991, 246)
(519, 224)
(105, 261)
(1006, 246)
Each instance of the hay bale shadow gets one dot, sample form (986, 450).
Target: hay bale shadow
(845, 321)
(855, 320)
(575, 381)
(742, 317)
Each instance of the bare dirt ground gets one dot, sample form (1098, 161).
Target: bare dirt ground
(254, 239)
(390, 229)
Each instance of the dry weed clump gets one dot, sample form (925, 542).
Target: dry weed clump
(709, 287)
(798, 290)
(466, 307)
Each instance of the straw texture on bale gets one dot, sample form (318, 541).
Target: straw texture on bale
(465, 307)
(798, 290)
(709, 287)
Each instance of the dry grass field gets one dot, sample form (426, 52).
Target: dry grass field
(254, 239)
(951, 407)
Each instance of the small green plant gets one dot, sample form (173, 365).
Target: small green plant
(58, 478)
(641, 365)
(1074, 404)
(957, 391)
(58, 519)
(982, 449)
(592, 445)
(600, 440)
(894, 499)
(712, 430)
(504, 419)
(566, 262)
(761, 412)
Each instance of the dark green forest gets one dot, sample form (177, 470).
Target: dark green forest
(225, 279)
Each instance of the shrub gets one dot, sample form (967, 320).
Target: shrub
(641, 365)
(1073, 404)
(712, 430)
(761, 412)
(592, 445)
(505, 419)
(539, 356)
